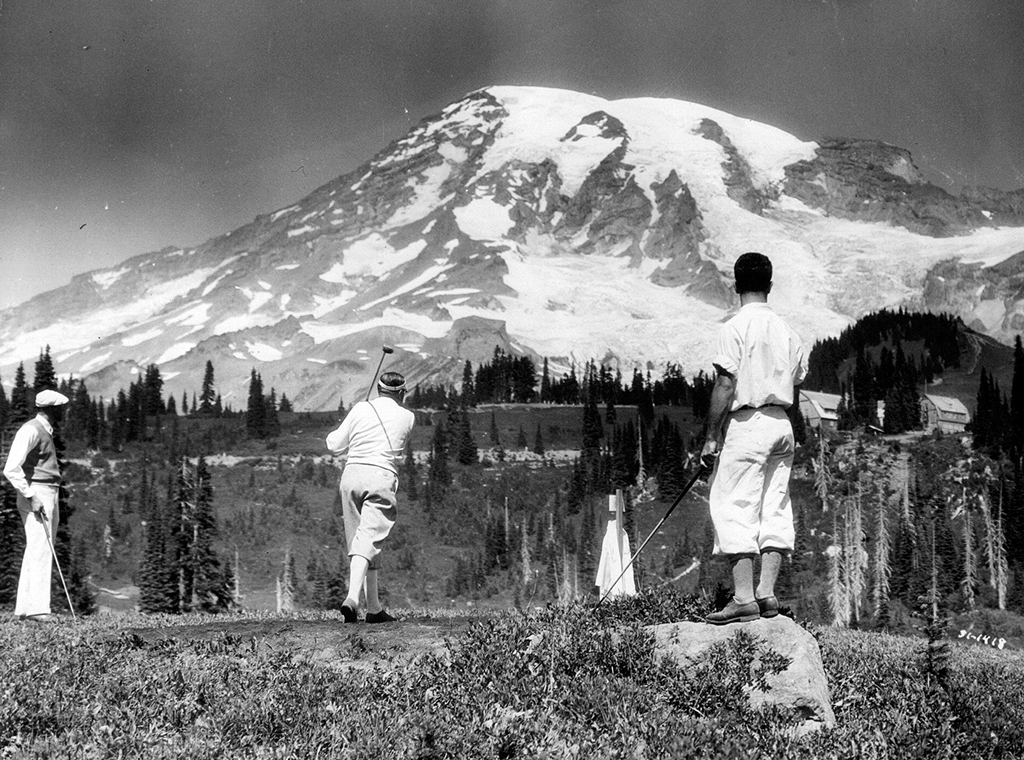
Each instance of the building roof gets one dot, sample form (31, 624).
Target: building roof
(948, 406)
(825, 404)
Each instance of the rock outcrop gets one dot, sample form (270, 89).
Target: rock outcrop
(869, 180)
(801, 687)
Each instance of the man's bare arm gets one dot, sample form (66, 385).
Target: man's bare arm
(721, 400)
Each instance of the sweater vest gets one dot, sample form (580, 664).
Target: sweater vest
(41, 461)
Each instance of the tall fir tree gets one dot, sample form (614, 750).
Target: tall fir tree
(256, 408)
(209, 591)
(153, 572)
(1017, 405)
(45, 375)
(208, 393)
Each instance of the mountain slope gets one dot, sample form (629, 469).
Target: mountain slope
(543, 221)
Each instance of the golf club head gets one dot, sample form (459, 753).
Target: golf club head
(388, 349)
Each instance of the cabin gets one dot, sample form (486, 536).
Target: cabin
(944, 413)
(821, 410)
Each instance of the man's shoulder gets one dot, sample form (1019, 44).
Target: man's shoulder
(32, 426)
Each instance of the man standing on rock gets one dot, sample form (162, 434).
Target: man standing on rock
(372, 437)
(758, 361)
(33, 470)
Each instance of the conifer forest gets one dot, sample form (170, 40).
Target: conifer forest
(188, 504)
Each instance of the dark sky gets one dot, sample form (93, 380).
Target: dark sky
(130, 125)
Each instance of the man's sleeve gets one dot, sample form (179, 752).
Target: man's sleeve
(801, 363)
(24, 440)
(728, 351)
(338, 440)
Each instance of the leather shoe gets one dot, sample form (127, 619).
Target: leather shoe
(769, 606)
(735, 613)
(379, 617)
(348, 612)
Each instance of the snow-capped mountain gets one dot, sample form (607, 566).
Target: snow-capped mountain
(544, 221)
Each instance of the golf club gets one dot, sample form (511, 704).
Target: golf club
(701, 468)
(46, 530)
(385, 350)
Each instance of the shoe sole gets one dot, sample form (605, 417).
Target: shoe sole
(348, 614)
(740, 619)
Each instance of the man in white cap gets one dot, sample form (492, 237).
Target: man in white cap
(372, 438)
(33, 471)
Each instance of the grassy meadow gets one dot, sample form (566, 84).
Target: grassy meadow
(253, 685)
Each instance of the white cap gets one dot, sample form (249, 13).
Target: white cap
(51, 398)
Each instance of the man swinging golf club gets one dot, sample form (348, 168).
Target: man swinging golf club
(33, 471)
(758, 361)
(372, 437)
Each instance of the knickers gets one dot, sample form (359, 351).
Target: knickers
(368, 502)
(750, 506)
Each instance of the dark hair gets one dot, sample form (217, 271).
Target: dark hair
(753, 273)
(392, 382)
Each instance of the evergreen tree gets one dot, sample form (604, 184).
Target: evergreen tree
(272, 423)
(545, 383)
(538, 442)
(593, 430)
(21, 403)
(153, 573)
(153, 385)
(208, 393)
(1017, 404)
(465, 445)
(4, 406)
(494, 433)
(45, 375)
(468, 391)
(12, 532)
(256, 409)
(285, 405)
(521, 439)
(439, 477)
(209, 592)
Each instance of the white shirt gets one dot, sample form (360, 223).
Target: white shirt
(763, 354)
(373, 432)
(26, 439)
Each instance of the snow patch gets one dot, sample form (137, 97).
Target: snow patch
(418, 323)
(95, 362)
(287, 266)
(108, 278)
(243, 322)
(262, 352)
(134, 340)
(178, 349)
(371, 256)
(278, 214)
(431, 273)
(483, 219)
(301, 231)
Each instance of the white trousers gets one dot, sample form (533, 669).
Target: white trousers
(750, 506)
(37, 563)
(368, 505)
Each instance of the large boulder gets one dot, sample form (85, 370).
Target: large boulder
(802, 686)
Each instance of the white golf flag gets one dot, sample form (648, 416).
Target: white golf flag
(615, 554)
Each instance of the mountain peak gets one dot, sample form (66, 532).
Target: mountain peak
(550, 222)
